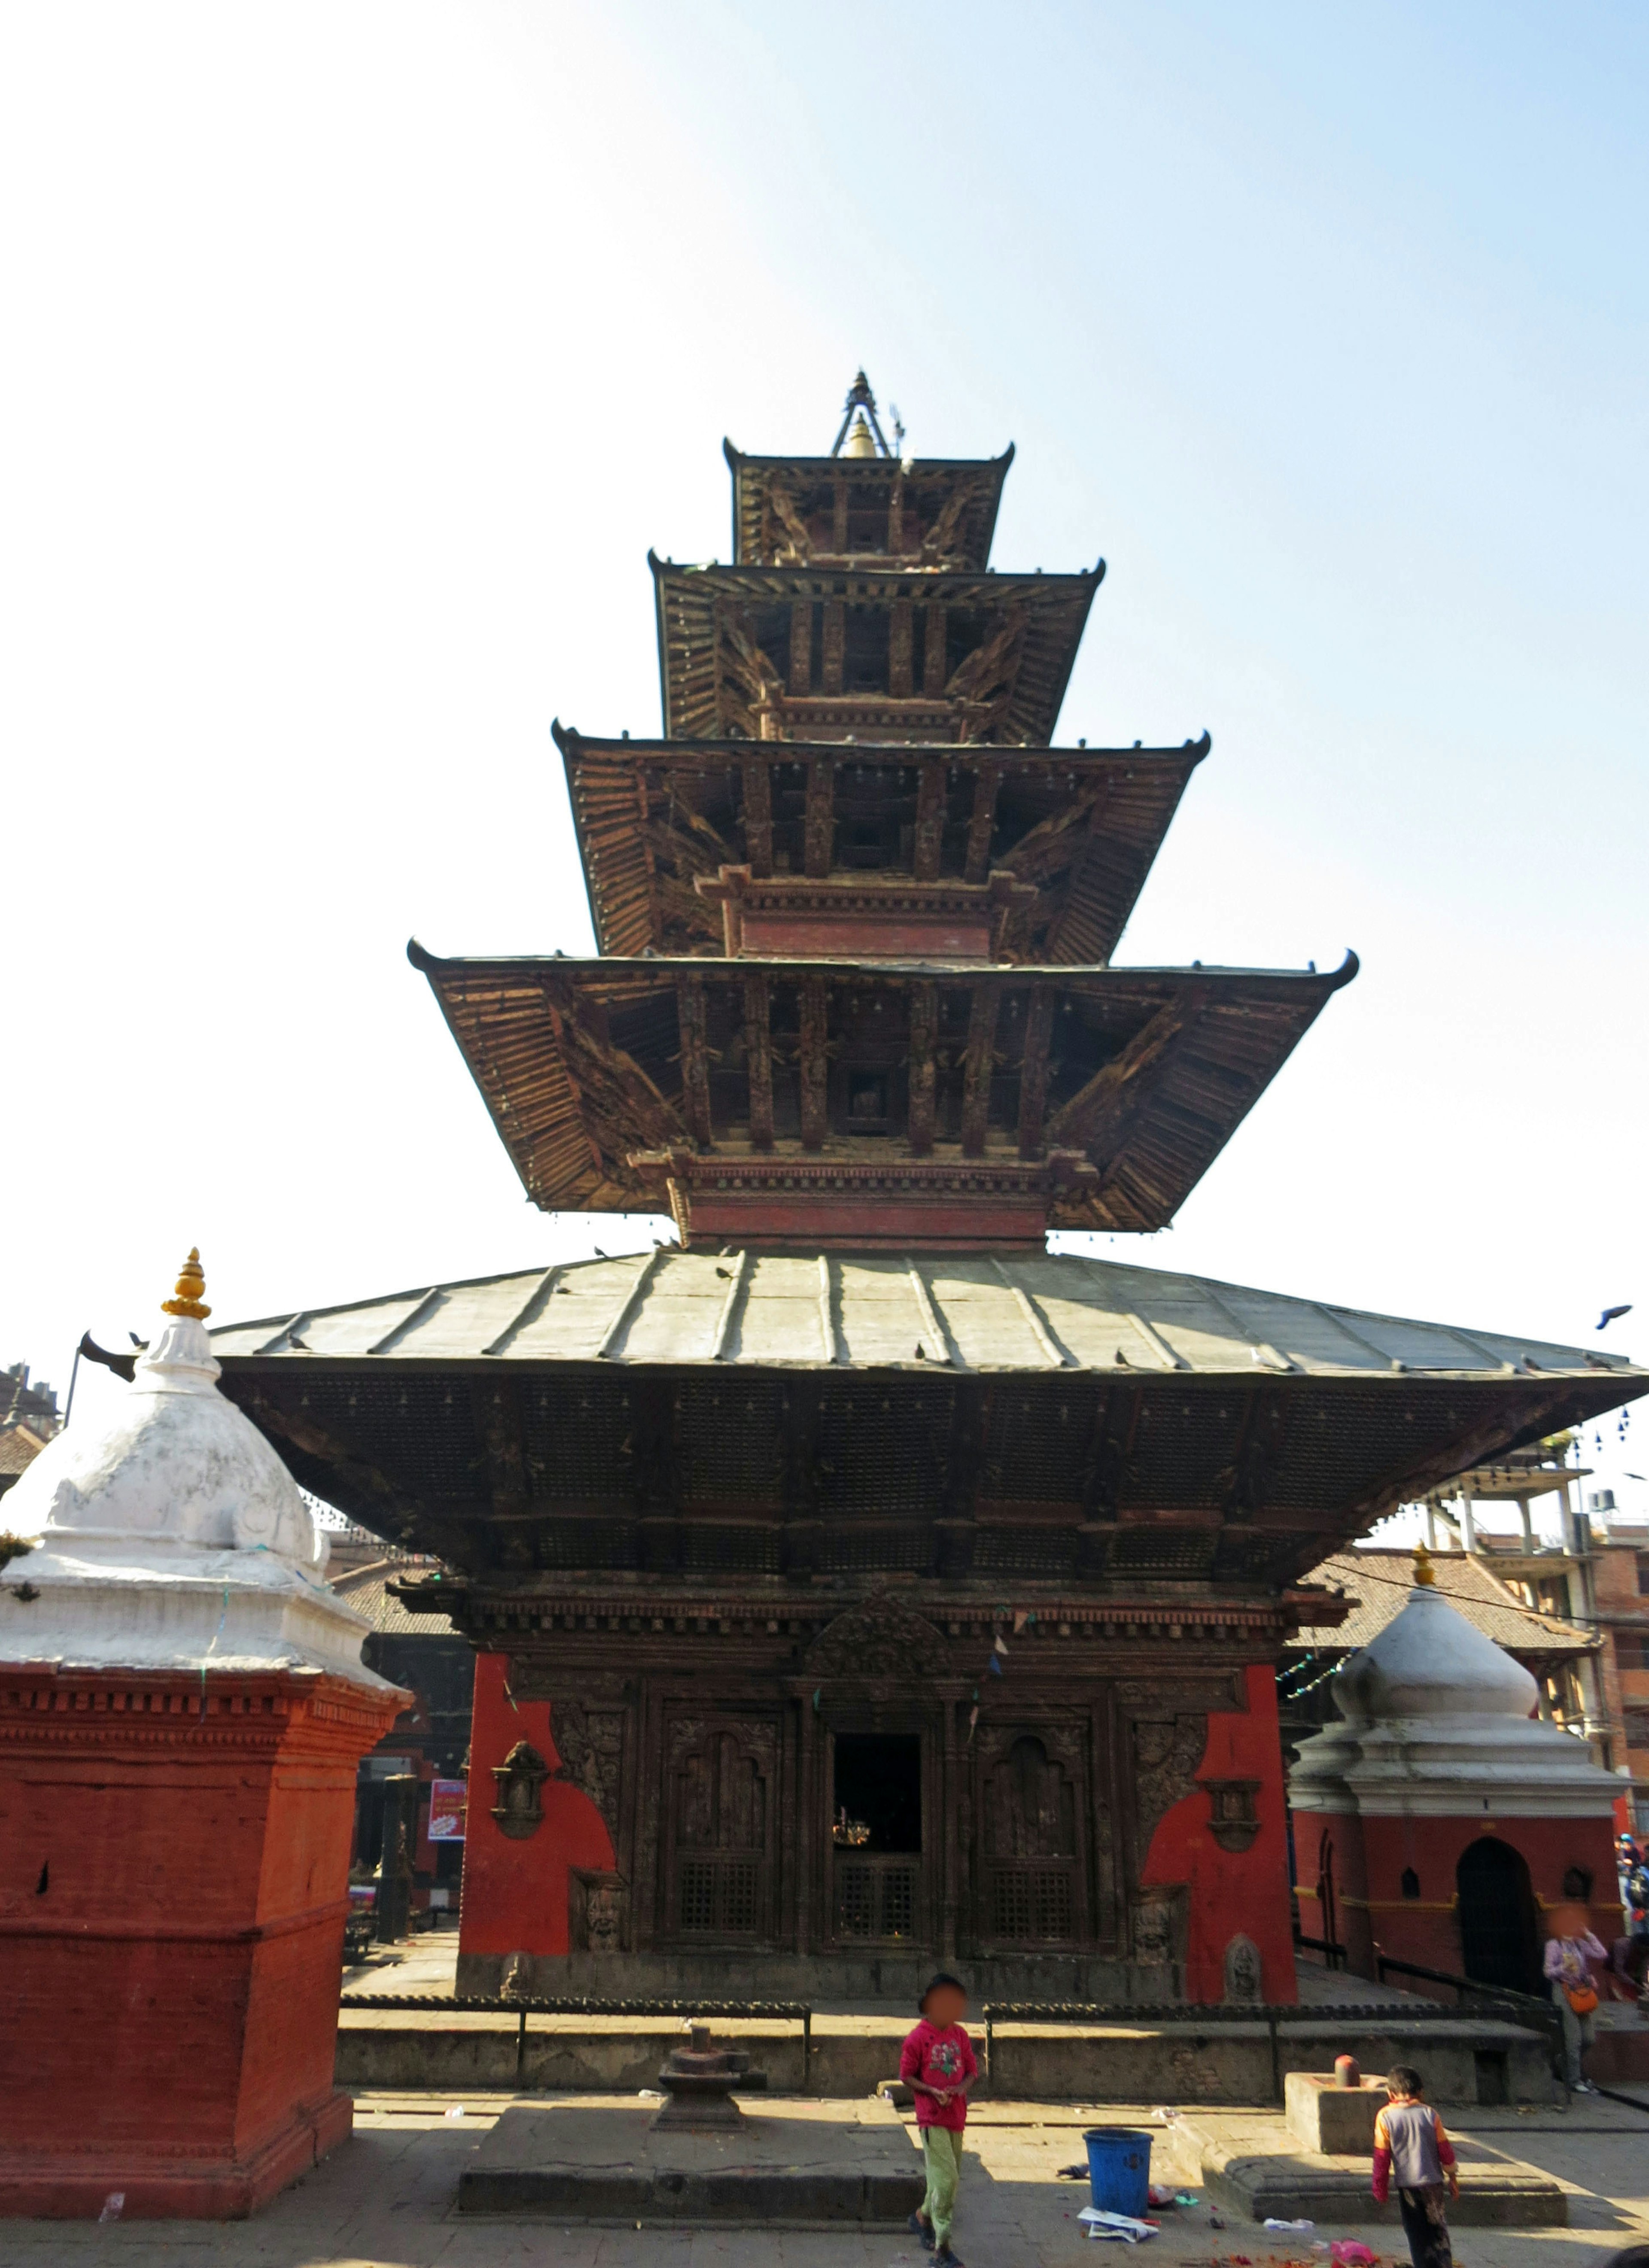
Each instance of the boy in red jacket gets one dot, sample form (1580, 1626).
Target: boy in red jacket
(1411, 2145)
(937, 2064)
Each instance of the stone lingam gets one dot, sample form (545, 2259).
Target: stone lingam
(698, 2081)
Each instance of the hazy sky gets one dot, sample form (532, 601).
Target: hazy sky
(356, 353)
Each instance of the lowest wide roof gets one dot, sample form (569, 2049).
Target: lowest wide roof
(1053, 1312)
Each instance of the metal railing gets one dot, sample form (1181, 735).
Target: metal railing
(794, 2012)
(1206, 2016)
(1527, 2007)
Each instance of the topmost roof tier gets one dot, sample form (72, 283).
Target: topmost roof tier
(932, 513)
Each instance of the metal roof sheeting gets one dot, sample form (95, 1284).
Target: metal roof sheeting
(1035, 1313)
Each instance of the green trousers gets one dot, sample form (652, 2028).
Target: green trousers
(943, 2151)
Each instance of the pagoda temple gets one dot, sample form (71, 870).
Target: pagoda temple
(856, 1584)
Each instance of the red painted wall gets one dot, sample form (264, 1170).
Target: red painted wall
(1233, 1890)
(1427, 1929)
(515, 1892)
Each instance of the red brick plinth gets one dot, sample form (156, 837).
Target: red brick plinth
(174, 1879)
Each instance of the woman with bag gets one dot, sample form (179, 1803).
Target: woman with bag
(1570, 1950)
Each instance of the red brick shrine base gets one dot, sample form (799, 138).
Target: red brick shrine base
(1405, 1886)
(174, 1857)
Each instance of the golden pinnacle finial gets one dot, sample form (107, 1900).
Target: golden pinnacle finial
(1424, 1573)
(860, 442)
(190, 1284)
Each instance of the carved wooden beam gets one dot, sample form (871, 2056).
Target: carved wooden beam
(494, 1404)
(981, 825)
(925, 1024)
(801, 646)
(820, 823)
(1116, 1082)
(815, 1062)
(933, 669)
(689, 1010)
(758, 815)
(900, 626)
(1039, 1031)
(930, 829)
(976, 1062)
(759, 1058)
(839, 514)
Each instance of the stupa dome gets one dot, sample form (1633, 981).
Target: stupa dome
(1430, 1661)
(1439, 1720)
(171, 1532)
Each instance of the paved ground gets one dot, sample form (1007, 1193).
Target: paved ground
(385, 2201)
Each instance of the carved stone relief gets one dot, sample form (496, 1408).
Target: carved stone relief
(1244, 1975)
(520, 1810)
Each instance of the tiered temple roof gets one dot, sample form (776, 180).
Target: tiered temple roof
(856, 1023)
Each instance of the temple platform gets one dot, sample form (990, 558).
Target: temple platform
(1249, 2164)
(610, 2165)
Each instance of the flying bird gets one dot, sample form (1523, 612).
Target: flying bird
(1609, 1315)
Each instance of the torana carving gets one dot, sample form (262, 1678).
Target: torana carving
(882, 1638)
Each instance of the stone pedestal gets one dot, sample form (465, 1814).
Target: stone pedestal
(173, 1863)
(1337, 2120)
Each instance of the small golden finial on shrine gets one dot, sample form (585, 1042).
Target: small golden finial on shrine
(861, 442)
(1424, 1573)
(190, 1284)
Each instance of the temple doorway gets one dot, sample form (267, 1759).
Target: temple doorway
(1499, 1940)
(876, 1837)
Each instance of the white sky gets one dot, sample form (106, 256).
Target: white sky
(357, 353)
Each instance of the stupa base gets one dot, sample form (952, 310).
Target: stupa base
(169, 2185)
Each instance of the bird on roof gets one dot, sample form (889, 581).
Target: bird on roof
(1611, 1315)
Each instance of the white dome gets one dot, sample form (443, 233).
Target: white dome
(177, 1460)
(1430, 1661)
(1438, 1722)
(171, 1536)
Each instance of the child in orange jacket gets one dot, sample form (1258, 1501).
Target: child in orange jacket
(1411, 2147)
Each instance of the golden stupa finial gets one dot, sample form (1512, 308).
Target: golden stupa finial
(861, 442)
(1424, 1573)
(190, 1284)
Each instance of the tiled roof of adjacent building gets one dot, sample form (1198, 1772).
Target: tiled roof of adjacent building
(1379, 1582)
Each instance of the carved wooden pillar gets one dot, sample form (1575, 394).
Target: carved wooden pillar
(801, 648)
(933, 653)
(807, 1839)
(952, 1851)
(898, 641)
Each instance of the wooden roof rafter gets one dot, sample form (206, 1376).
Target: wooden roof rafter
(1083, 826)
(604, 1076)
(932, 483)
(719, 680)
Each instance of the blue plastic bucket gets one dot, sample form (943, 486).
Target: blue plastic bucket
(1119, 2168)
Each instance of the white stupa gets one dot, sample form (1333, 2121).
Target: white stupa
(1438, 1721)
(171, 1536)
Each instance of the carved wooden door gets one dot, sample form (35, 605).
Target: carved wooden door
(720, 1804)
(1032, 1876)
